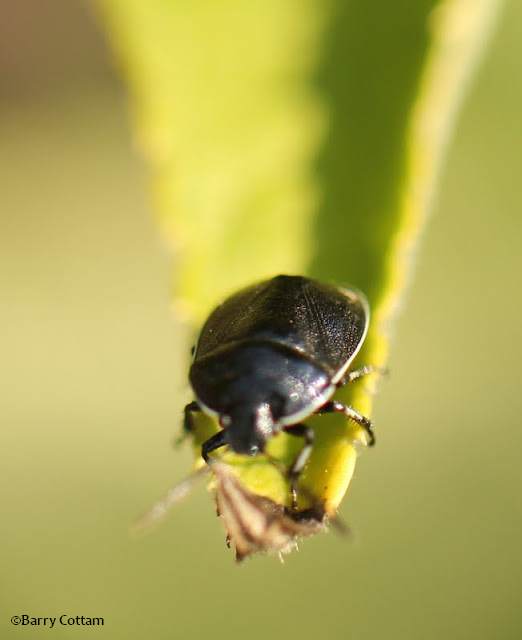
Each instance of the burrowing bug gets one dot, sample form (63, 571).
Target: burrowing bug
(271, 356)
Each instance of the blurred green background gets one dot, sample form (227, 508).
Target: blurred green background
(93, 379)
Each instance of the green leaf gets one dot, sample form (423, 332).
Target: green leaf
(297, 137)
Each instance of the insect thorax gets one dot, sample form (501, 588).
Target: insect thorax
(244, 378)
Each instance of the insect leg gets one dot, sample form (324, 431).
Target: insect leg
(352, 414)
(301, 459)
(213, 443)
(190, 408)
(365, 371)
(362, 372)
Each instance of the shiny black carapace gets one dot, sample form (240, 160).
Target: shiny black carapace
(272, 355)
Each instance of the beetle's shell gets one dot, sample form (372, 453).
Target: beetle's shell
(325, 324)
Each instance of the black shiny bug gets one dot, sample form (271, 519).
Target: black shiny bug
(272, 355)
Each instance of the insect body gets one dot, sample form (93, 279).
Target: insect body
(272, 355)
